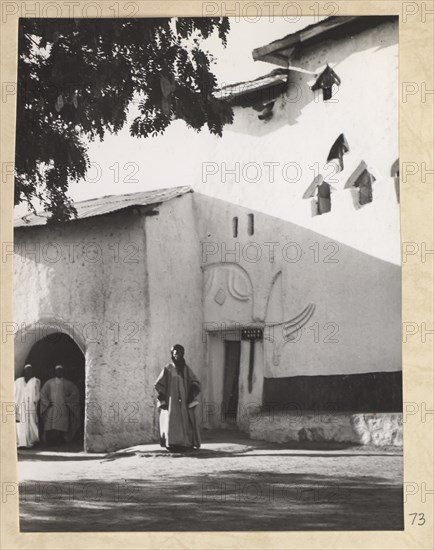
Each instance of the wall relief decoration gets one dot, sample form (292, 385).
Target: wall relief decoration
(288, 331)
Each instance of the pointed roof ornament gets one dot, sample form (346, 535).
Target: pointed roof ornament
(338, 150)
(310, 191)
(325, 82)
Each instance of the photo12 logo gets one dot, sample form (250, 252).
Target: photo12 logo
(252, 12)
(269, 251)
(67, 9)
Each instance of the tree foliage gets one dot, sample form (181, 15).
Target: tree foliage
(76, 81)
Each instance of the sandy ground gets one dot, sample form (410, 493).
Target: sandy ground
(230, 484)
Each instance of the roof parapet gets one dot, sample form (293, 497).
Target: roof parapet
(280, 52)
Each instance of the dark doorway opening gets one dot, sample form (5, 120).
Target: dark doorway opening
(60, 349)
(230, 381)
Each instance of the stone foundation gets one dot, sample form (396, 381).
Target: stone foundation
(378, 429)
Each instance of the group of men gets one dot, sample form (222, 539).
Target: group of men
(57, 405)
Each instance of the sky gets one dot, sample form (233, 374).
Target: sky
(123, 164)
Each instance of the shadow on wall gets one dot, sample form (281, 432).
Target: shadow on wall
(286, 110)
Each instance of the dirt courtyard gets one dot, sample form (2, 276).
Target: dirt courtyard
(231, 484)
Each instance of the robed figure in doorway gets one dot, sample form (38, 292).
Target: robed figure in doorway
(60, 408)
(27, 393)
(177, 388)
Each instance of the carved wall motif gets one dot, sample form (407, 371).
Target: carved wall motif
(288, 331)
(229, 288)
(220, 296)
(236, 280)
(209, 277)
(224, 281)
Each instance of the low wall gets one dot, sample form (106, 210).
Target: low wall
(380, 429)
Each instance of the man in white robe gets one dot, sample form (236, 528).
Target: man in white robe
(60, 408)
(27, 393)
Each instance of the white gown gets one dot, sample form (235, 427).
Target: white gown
(26, 399)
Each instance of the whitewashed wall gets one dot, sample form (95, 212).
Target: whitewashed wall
(354, 328)
(299, 136)
(97, 293)
(175, 288)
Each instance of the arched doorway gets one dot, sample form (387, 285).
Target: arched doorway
(60, 349)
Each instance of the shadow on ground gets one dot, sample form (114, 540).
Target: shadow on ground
(227, 501)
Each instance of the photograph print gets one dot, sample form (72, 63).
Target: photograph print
(207, 275)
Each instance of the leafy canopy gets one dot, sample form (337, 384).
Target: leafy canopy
(77, 78)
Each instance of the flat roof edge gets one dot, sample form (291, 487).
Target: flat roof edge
(274, 51)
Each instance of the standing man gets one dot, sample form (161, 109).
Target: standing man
(177, 388)
(27, 398)
(60, 408)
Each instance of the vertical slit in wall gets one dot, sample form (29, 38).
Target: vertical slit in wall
(235, 227)
(250, 224)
